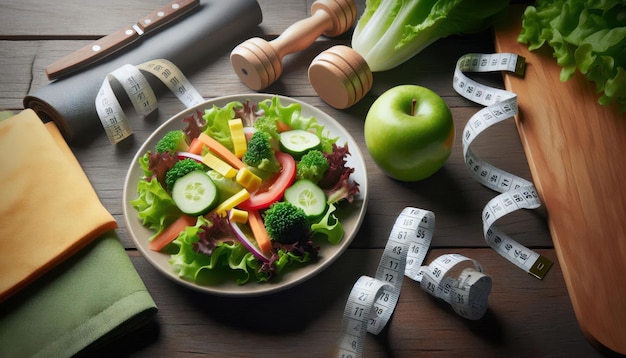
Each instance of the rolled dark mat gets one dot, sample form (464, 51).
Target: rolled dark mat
(209, 31)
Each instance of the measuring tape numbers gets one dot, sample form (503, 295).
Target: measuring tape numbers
(140, 93)
(515, 193)
(453, 278)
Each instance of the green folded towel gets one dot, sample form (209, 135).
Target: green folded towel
(88, 299)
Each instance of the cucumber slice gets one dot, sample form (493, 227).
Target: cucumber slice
(297, 142)
(195, 193)
(308, 196)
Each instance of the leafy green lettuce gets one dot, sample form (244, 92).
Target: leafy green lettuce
(273, 110)
(392, 31)
(329, 226)
(217, 123)
(586, 35)
(155, 207)
(228, 259)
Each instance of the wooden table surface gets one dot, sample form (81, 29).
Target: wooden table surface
(527, 317)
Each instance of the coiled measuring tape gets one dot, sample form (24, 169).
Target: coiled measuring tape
(372, 300)
(516, 193)
(141, 95)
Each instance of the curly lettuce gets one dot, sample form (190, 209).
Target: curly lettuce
(155, 207)
(228, 258)
(329, 226)
(208, 252)
(589, 36)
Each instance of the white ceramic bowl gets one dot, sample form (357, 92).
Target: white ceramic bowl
(350, 215)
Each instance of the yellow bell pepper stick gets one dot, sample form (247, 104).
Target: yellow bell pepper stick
(219, 165)
(231, 202)
(248, 179)
(240, 144)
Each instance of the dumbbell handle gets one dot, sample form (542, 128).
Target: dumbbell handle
(302, 34)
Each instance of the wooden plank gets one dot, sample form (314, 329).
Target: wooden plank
(526, 316)
(16, 61)
(70, 18)
(575, 148)
(78, 19)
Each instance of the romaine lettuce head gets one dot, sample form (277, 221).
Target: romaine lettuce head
(390, 32)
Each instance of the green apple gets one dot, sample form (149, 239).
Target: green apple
(409, 132)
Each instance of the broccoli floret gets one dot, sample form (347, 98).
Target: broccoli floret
(312, 166)
(286, 223)
(173, 141)
(260, 154)
(268, 125)
(180, 169)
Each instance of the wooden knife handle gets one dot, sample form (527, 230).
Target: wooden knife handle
(92, 52)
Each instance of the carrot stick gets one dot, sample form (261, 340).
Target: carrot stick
(219, 149)
(258, 230)
(282, 126)
(196, 146)
(171, 232)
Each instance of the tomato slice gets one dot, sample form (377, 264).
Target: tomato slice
(262, 200)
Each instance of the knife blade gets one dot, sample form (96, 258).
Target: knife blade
(119, 39)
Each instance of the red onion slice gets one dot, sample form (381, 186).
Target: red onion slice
(243, 238)
(183, 155)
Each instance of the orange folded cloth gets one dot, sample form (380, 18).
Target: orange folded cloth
(48, 208)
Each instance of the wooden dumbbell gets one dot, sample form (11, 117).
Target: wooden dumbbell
(258, 63)
(340, 76)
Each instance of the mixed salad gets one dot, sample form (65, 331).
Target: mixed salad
(244, 191)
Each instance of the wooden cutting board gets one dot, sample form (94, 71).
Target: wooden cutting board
(576, 150)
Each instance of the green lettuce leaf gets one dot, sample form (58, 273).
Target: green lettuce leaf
(227, 260)
(155, 207)
(217, 123)
(329, 226)
(287, 258)
(588, 36)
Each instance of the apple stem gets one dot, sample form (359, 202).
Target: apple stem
(413, 104)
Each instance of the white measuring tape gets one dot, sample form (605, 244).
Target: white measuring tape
(373, 299)
(516, 193)
(141, 95)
